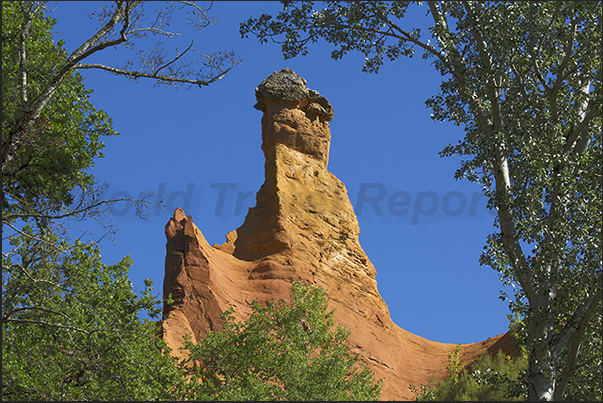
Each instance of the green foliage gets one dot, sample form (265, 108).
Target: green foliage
(587, 376)
(71, 327)
(490, 378)
(40, 171)
(284, 351)
(349, 26)
(425, 393)
(454, 366)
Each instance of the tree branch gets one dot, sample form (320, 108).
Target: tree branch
(579, 320)
(531, 46)
(409, 38)
(26, 121)
(73, 212)
(94, 44)
(524, 93)
(574, 330)
(508, 231)
(77, 329)
(456, 60)
(37, 239)
(27, 18)
(139, 74)
(568, 53)
(36, 280)
(6, 318)
(200, 10)
(491, 86)
(577, 140)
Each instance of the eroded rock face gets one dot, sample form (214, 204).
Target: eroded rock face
(302, 228)
(294, 116)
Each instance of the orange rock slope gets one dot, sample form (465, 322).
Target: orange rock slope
(303, 228)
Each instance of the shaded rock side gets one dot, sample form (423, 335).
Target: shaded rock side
(303, 228)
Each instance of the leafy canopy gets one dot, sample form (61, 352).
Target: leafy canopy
(284, 351)
(55, 155)
(496, 377)
(71, 327)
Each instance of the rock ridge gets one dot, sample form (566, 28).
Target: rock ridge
(302, 228)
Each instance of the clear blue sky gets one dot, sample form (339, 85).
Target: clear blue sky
(186, 140)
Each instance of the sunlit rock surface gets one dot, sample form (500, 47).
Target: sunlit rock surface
(303, 228)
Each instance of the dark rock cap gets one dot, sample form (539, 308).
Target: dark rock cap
(283, 84)
(286, 85)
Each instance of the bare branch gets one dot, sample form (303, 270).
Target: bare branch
(94, 44)
(76, 211)
(167, 79)
(201, 11)
(123, 13)
(161, 20)
(175, 59)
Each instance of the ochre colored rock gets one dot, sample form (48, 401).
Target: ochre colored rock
(302, 228)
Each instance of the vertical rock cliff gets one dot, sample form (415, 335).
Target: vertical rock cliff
(303, 228)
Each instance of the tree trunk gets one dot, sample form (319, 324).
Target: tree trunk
(541, 383)
(542, 359)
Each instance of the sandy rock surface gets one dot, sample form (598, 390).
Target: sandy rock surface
(303, 228)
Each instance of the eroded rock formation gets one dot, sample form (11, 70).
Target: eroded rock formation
(303, 227)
